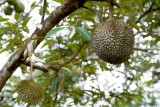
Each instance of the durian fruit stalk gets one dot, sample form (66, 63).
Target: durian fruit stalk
(30, 92)
(113, 41)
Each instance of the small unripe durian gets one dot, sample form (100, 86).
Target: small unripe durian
(19, 7)
(8, 10)
(30, 92)
(113, 41)
(11, 2)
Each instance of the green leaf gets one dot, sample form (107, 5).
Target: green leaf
(66, 69)
(46, 43)
(54, 82)
(33, 4)
(139, 2)
(157, 2)
(143, 27)
(5, 28)
(116, 102)
(123, 102)
(6, 49)
(84, 33)
(134, 25)
(3, 19)
(16, 16)
(25, 22)
(59, 1)
(53, 31)
(26, 29)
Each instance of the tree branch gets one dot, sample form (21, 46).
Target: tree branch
(18, 57)
(146, 50)
(148, 11)
(44, 68)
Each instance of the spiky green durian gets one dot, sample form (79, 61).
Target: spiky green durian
(113, 41)
(30, 92)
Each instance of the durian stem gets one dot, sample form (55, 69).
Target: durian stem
(31, 67)
(111, 12)
(56, 92)
(31, 71)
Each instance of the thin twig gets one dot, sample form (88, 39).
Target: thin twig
(31, 69)
(145, 50)
(148, 11)
(56, 93)
(72, 58)
(44, 10)
(91, 10)
(138, 49)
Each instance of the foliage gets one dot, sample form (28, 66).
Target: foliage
(86, 80)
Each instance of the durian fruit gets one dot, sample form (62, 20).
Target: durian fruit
(11, 2)
(113, 41)
(19, 7)
(8, 10)
(30, 92)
